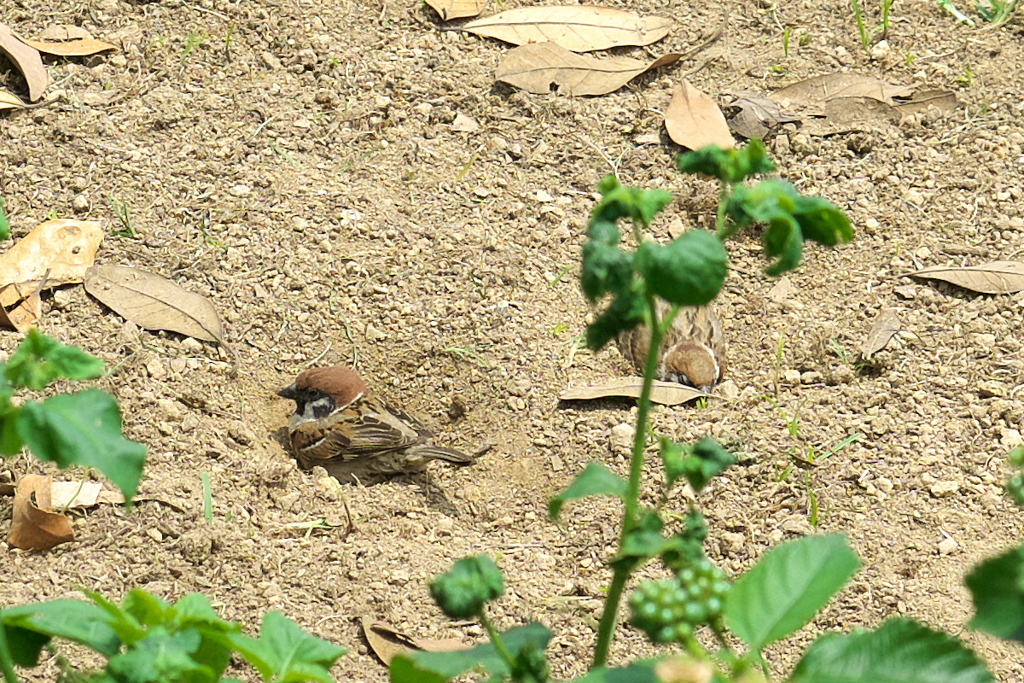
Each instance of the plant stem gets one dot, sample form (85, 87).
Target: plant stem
(609, 618)
(499, 644)
(6, 663)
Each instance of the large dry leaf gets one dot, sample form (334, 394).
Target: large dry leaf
(756, 116)
(153, 302)
(848, 114)
(887, 325)
(543, 67)
(78, 494)
(79, 47)
(997, 277)
(60, 250)
(10, 101)
(812, 94)
(34, 524)
(23, 316)
(923, 100)
(693, 120)
(664, 393)
(28, 61)
(457, 9)
(580, 28)
(387, 642)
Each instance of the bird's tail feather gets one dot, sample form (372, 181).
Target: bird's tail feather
(431, 452)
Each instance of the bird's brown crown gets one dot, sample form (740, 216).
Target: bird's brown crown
(342, 384)
(695, 361)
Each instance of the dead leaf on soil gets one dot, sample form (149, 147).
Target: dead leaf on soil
(782, 290)
(60, 32)
(756, 116)
(387, 642)
(997, 277)
(537, 67)
(34, 524)
(457, 9)
(848, 114)
(580, 28)
(10, 101)
(923, 100)
(28, 62)
(465, 124)
(23, 316)
(810, 96)
(153, 302)
(887, 325)
(663, 393)
(80, 494)
(693, 120)
(78, 47)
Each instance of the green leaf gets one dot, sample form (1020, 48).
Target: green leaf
(75, 620)
(162, 656)
(901, 651)
(689, 271)
(822, 222)
(5, 226)
(605, 269)
(10, 442)
(783, 238)
(624, 313)
(637, 672)
(146, 608)
(463, 590)
(644, 542)
(286, 653)
(728, 165)
(707, 459)
(594, 480)
(785, 589)
(83, 429)
(436, 667)
(997, 588)
(39, 360)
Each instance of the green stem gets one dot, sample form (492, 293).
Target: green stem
(496, 639)
(631, 508)
(6, 663)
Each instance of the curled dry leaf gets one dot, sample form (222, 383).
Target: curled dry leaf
(924, 100)
(387, 642)
(811, 95)
(997, 277)
(887, 325)
(28, 61)
(756, 116)
(34, 524)
(693, 120)
(543, 67)
(782, 290)
(81, 47)
(61, 33)
(664, 393)
(580, 28)
(10, 101)
(457, 9)
(153, 302)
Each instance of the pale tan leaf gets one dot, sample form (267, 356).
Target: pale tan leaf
(24, 315)
(82, 47)
(664, 393)
(812, 94)
(997, 277)
(537, 67)
(34, 524)
(756, 115)
(59, 250)
(847, 114)
(74, 494)
(580, 28)
(10, 101)
(62, 33)
(942, 100)
(153, 302)
(782, 290)
(387, 642)
(28, 62)
(887, 325)
(457, 9)
(693, 120)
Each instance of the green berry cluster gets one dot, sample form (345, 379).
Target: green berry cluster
(669, 610)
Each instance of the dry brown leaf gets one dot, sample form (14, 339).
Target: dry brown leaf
(782, 290)
(887, 325)
(23, 316)
(60, 250)
(580, 28)
(923, 100)
(811, 95)
(756, 115)
(153, 302)
(10, 101)
(74, 494)
(693, 120)
(847, 114)
(28, 61)
(664, 393)
(537, 67)
(81, 47)
(387, 642)
(997, 277)
(61, 33)
(34, 524)
(457, 9)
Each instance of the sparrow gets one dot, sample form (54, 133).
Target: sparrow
(340, 425)
(692, 353)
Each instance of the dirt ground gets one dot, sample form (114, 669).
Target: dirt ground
(295, 161)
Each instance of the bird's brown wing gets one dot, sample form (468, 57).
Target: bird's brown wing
(364, 429)
(698, 324)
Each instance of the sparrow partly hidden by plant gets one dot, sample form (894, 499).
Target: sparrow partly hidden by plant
(692, 353)
(341, 426)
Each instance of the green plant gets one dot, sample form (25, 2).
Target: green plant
(146, 640)
(122, 213)
(995, 12)
(5, 225)
(867, 35)
(193, 41)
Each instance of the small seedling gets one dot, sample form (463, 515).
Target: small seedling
(207, 498)
(867, 35)
(123, 216)
(193, 41)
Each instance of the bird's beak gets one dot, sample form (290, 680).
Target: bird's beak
(288, 392)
